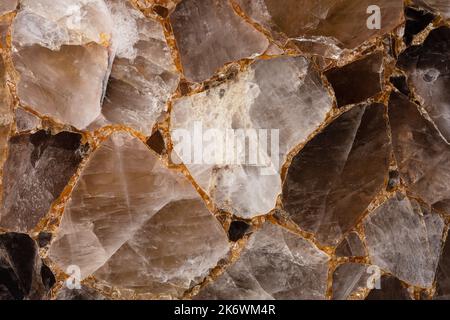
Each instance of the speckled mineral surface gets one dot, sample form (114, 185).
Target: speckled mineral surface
(224, 149)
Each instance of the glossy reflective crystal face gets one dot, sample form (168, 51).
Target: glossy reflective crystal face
(224, 149)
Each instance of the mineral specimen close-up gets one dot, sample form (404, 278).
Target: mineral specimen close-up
(224, 150)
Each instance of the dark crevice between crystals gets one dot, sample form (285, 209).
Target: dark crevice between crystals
(400, 83)
(156, 142)
(237, 230)
(161, 11)
(416, 21)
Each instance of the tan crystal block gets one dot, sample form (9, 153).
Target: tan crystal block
(283, 96)
(65, 84)
(156, 237)
(324, 23)
(26, 121)
(143, 74)
(275, 265)
(70, 40)
(209, 34)
(404, 239)
(51, 24)
(335, 177)
(357, 81)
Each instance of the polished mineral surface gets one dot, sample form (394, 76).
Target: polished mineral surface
(132, 241)
(224, 149)
(301, 273)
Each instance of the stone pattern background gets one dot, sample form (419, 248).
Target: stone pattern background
(92, 93)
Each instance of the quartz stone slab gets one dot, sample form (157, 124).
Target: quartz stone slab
(157, 236)
(209, 34)
(422, 155)
(282, 96)
(274, 265)
(404, 239)
(334, 178)
(35, 173)
(427, 69)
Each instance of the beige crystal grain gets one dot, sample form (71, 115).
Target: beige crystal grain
(136, 224)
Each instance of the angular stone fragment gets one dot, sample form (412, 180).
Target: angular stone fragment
(332, 181)
(52, 24)
(441, 7)
(69, 38)
(275, 265)
(59, 85)
(37, 170)
(400, 83)
(443, 274)
(351, 246)
(143, 75)
(405, 239)
(157, 143)
(44, 239)
(350, 278)
(276, 104)
(85, 293)
(209, 34)
(324, 23)
(391, 289)
(423, 157)
(358, 80)
(427, 69)
(21, 268)
(156, 237)
(416, 21)
(4, 131)
(26, 121)
(7, 6)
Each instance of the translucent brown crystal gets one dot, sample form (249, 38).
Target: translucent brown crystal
(224, 149)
